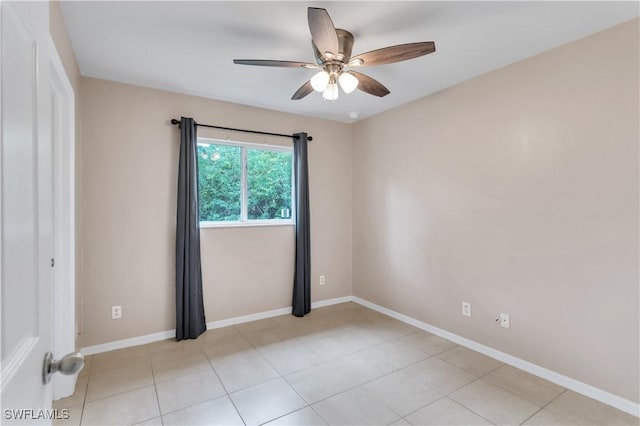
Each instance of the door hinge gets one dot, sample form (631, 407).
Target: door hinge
(53, 262)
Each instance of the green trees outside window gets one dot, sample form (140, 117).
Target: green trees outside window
(269, 184)
(267, 177)
(219, 182)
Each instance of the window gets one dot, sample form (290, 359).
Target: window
(241, 183)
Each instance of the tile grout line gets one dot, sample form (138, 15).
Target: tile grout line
(155, 385)
(367, 381)
(280, 376)
(318, 414)
(119, 392)
(464, 406)
(353, 353)
(86, 390)
(467, 408)
(310, 405)
(544, 406)
(202, 402)
(455, 390)
(522, 397)
(222, 383)
(500, 387)
(290, 385)
(428, 356)
(129, 390)
(495, 384)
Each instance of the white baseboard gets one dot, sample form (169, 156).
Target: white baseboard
(168, 334)
(247, 318)
(557, 378)
(125, 343)
(273, 313)
(327, 302)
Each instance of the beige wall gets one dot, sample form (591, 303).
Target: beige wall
(130, 158)
(60, 37)
(518, 192)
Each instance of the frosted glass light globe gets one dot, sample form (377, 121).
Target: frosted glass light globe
(348, 82)
(320, 81)
(331, 93)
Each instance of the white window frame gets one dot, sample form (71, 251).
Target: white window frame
(244, 194)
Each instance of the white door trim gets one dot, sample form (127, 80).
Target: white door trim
(63, 128)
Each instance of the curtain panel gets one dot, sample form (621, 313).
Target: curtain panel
(302, 277)
(190, 320)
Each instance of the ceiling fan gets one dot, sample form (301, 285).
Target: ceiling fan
(332, 48)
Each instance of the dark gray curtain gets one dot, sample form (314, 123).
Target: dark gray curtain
(190, 322)
(302, 278)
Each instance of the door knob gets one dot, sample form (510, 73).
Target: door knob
(69, 364)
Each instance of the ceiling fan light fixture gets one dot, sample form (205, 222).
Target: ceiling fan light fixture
(331, 92)
(320, 81)
(348, 82)
(332, 49)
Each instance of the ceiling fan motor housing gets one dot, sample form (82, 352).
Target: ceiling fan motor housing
(345, 46)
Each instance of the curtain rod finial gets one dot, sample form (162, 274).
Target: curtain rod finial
(174, 121)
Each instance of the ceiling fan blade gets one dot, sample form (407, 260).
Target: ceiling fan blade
(322, 30)
(303, 91)
(391, 54)
(370, 85)
(270, 63)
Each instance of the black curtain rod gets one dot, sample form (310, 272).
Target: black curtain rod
(309, 138)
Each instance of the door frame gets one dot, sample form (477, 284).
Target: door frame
(64, 290)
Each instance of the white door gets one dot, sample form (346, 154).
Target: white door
(26, 243)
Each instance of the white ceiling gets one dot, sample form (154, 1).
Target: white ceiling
(188, 47)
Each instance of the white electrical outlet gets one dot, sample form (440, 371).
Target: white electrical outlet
(323, 281)
(504, 321)
(466, 309)
(116, 312)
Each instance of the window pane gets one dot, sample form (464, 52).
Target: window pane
(269, 184)
(219, 182)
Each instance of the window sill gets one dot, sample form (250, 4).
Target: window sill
(204, 225)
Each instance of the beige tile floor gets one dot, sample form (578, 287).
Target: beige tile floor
(340, 365)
